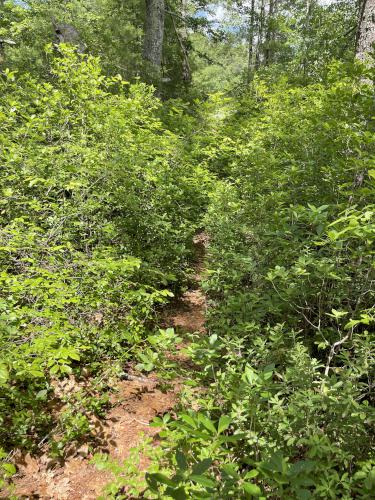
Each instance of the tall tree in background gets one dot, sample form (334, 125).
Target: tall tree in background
(270, 33)
(261, 23)
(366, 29)
(1, 40)
(251, 32)
(182, 37)
(307, 25)
(154, 34)
(176, 43)
(5, 41)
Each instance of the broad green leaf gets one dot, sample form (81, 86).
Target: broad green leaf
(4, 374)
(207, 423)
(203, 480)
(188, 419)
(251, 474)
(230, 470)
(176, 494)
(202, 466)
(42, 395)
(181, 460)
(252, 489)
(74, 355)
(162, 478)
(10, 469)
(224, 423)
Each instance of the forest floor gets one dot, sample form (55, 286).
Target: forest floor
(135, 402)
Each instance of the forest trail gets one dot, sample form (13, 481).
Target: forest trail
(135, 403)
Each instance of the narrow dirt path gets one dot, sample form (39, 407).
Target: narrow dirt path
(135, 403)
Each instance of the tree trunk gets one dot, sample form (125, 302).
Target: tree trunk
(154, 32)
(66, 33)
(260, 48)
(2, 50)
(250, 63)
(364, 46)
(270, 33)
(182, 36)
(306, 34)
(366, 30)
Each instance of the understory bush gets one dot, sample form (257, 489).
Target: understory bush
(97, 214)
(289, 359)
(104, 188)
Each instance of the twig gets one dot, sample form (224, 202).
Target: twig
(333, 349)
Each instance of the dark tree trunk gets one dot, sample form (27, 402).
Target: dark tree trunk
(260, 48)
(364, 46)
(306, 30)
(270, 33)
(154, 32)
(3, 41)
(66, 33)
(250, 63)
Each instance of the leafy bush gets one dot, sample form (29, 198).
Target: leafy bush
(289, 363)
(97, 214)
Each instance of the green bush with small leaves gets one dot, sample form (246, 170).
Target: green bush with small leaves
(288, 363)
(97, 213)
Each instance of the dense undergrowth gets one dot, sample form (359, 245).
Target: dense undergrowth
(104, 188)
(98, 211)
(289, 361)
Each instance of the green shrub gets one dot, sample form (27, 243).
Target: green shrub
(97, 215)
(289, 360)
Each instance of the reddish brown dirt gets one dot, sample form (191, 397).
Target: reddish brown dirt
(189, 313)
(135, 404)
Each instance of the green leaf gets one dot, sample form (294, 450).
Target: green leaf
(207, 423)
(4, 374)
(337, 314)
(162, 478)
(203, 480)
(252, 489)
(181, 460)
(74, 355)
(251, 474)
(231, 439)
(202, 466)
(55, 369)
(230, 470)
(188, 419)
(176, 494)
(42, 395)
(303, 494)
(10, 469)
(224, 423)
(369, 482)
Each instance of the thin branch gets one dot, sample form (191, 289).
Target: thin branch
(171, 13)
(187, 68)
(332, 352)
